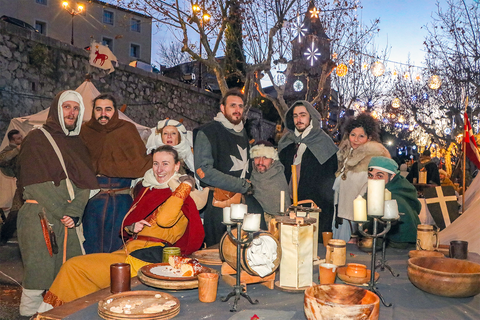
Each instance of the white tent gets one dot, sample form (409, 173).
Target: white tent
(27, 123)
(467, 226)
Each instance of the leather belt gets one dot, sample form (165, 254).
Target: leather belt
(116, 191)
(152, 239)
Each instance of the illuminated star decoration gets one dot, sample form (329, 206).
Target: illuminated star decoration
(334, 55)
(314, 12)
(298, 28)
(240, 164)
(312, 54)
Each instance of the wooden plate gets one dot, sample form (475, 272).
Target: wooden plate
(341, 273)
(208, 256)
(170, 284)
(139, 304)
(163, 271)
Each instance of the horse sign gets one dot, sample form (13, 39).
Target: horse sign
(101, 56)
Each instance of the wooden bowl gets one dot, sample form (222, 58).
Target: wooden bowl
(425, 253)
(340, 301)
(444, 276)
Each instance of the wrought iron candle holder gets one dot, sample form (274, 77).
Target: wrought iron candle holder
(383, 264)
(237, 288)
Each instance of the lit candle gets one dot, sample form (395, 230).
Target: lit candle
(251, 222)
(375, 197)
(360, 209)
(388, 195)
(237, 211)
(282, 201)
(391, 209)
(226, 215)
(294, 185)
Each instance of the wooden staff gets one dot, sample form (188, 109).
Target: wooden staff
(294, 185)
(464, 156)
(65, 238)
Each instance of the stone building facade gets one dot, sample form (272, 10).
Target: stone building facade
(33, 68)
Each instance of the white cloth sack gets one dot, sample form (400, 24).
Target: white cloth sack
(261, 254)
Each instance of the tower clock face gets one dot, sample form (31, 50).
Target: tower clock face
(298, 86)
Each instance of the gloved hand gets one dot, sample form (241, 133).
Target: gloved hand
(187, 179)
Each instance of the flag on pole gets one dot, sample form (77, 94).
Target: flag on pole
(471, 149)
(101, 56)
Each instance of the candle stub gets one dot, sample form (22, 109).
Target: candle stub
(226, 215)
(360, 209)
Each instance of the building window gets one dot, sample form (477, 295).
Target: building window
(41, 27)
(44, 2)
(135, 25)
(108, 42)
(135, 51)
(108, 17)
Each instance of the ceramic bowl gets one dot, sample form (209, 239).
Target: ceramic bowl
(340, 301)
(444, 276)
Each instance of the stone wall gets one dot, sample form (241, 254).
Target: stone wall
(33, 68)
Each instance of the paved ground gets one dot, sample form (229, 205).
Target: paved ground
(10, 291)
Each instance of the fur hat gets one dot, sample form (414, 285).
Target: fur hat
(264, 149)
(384, 164)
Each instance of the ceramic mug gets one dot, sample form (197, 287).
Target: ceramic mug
(356, 270)
(427, 237)
(119, 277)
(327, 273)
(458, 249)
(336, 252)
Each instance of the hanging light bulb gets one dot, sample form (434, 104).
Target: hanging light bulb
(377, 68)
(396, 103)
(434, 82)
(342, 70)
(406, 75)
(351, 61)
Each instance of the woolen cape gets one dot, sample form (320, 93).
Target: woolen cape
(39, 162)
(116, 149)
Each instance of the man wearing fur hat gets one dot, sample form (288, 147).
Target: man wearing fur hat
(221, 157)
(119, 156)
(313, 153)
(268, 179)
(56, 176)
(404, 231)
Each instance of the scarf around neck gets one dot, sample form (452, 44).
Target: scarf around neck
(227, 124)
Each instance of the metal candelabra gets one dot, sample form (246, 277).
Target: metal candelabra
(375, 235)
(237, 288)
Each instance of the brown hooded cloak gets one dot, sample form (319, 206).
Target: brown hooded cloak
(116, 149)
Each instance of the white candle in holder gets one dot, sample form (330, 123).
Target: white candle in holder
(375, 197)
(237, 211)
(282, 201)
(391, 209)
(226, 215)
(251, 222)
(360, 209)
(388, 195)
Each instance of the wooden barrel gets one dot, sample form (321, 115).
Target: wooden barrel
(228, 252)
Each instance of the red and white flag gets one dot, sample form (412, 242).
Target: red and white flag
(101, 56)
(470, 144)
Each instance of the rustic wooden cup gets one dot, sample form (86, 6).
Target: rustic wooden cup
(120, 277)
(326, 236)
(207, 287)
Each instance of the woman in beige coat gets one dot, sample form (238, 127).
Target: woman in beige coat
(360, 143)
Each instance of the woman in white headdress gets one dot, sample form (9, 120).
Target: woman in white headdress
(174, 133)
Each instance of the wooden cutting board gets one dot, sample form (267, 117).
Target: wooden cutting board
(209, 257)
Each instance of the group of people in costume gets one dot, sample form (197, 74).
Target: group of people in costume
(75, 177)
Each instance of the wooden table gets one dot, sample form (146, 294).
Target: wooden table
(408, 301)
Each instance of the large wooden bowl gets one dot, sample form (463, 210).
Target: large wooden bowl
(340, 301)
(444, 276)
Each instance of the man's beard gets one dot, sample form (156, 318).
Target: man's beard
(72, 127)
(300, 130)
(230, 119)
(103, 117)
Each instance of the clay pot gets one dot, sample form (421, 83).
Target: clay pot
(356, 270)
(445, 277)
(340, 301)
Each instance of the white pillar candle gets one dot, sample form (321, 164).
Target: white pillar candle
(226, 215)
(251, 222)
(237, 211)
(375, 197)
(388, 195)
(391, 209)
(360, 209)
(282, 201)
